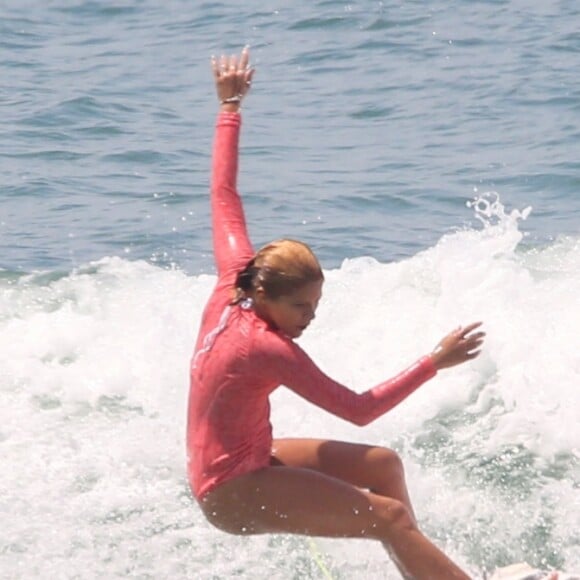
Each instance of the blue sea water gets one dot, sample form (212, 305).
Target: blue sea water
(430, 154)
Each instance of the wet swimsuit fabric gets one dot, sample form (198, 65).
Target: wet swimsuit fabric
(239, 359)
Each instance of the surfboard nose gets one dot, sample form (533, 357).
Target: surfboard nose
(523, 571)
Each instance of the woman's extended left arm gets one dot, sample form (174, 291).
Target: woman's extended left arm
(287, 363)
(284, 362)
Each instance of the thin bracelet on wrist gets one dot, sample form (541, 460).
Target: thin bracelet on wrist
(230, 100)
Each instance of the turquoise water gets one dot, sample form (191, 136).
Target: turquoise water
(428, 151)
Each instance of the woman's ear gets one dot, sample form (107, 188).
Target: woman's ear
(259, 295)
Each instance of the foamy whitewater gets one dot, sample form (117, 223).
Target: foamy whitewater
(94, 389)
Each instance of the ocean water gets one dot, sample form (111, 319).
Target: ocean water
(428, 151)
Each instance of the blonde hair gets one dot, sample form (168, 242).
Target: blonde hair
(279, 268)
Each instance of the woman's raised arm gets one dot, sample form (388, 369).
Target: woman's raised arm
(231, 245)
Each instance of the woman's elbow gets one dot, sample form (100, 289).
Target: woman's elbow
(360, 420)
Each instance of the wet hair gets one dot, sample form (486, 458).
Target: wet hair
(279, 268)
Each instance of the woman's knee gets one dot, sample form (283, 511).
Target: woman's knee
(392, 517)
(388, 468)
(391, 460)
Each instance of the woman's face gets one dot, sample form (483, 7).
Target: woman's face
(292, 313)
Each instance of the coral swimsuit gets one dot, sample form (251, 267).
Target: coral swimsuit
(239, 359)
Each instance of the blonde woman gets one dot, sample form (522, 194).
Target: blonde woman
(245, 481)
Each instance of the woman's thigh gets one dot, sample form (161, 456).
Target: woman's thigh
(369, 467)
(296, 500)
(301, 501)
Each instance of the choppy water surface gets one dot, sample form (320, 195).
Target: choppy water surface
(375, 131)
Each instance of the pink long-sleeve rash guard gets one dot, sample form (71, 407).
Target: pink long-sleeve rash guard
(239, 359)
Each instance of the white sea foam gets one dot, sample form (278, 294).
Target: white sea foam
(94, 379)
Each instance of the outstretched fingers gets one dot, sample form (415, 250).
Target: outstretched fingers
(215, 68)
(458, 346)
(233, 62)
(233, 76)
(244, 71)
(245, 57)
(470, 342)
(474, 340)
(463, 332)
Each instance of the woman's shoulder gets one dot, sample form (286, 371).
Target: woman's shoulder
(271, 343)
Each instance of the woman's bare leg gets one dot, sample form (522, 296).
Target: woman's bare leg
(304, 501)
(377, 469)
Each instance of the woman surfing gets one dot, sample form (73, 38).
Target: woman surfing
(245, 481)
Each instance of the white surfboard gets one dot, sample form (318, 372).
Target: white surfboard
(523, 571)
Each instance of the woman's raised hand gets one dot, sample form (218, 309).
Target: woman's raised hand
(458, 346)
(233, 78)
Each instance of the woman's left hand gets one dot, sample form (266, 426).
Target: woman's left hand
(458, 346)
